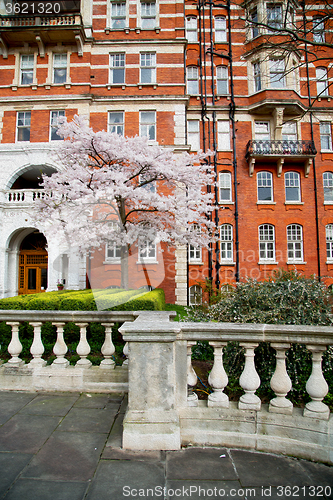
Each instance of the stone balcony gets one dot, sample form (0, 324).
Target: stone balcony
(14, 197)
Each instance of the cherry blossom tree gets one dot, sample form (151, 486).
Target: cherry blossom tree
(122, 190)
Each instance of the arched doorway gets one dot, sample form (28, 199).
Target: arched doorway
(33, 259)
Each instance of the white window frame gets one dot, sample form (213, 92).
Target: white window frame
(223, 135)
(329, 242)
(148, 67)
(226, 244)
(294, 243)
(292, 181)
(148, 15)
(256, 68)
(225, 184)
(264, 181)
(145, 248)
(192, 74)
(254, 19)
(118, 15)
(60, 63)
(193, 134)
(289, 131)
(27, 66)
(54, 118)
(148, 124)
(266, 243)
(191, 29)
(194, 252)
(274, 20)
(117, 67)
(277, 73)
(25, 118)
(195, 295)
(220, 23)
(328, 187)
(112, 253)
(325, 133)
(262, 131)
(222, 80)
(322, 81)
(318, 30)
(115, 126)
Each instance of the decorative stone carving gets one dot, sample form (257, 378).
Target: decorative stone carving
(108, 348)
(37, 348)
(280, 382)
(316, 386)
(60, 348)
(218, 378)
(15, 346)
(83, 348)
(192, 398)
(249, 381)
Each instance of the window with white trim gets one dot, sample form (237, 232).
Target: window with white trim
(117, 68)
(295, 243)
(329, 242)
(148, 125)
(256, 76)
(262, 131)
(54, 125)
(27, 69)
(23, 126)
(148, 15)
(191, 28)
(223, 135)
(226, 243)
(325, 136)
(318, 30)
(220, 29)
(194, 252)
(267, 243)
(193, 134)
(274, 17)
(254, 21)
(292, 185)
(118, 15)
(195, 295)
(116, 122)
(222, 80)
(148, 67)
(147, 251)
(192, 80)
(113, 252)
(225, 191)
(322, 82)
(277, 73)
(59, 68)
(328, 186)
(289, 131)
(265, 186)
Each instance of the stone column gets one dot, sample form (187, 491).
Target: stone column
(156, 382)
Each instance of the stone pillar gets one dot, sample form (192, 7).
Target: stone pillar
(181, 275)
(156, 382)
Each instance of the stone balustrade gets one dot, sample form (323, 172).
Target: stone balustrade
(18, 196)
(59, 375)
(165, 413)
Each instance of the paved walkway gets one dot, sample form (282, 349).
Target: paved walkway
(59, 447)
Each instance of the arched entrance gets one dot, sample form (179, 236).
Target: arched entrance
(33, 259)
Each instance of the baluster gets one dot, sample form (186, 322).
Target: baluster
(37, 348)
(249, 381)
(316, 386)
(280, 382)
(108, 348)
(192, 398)
(125, 353)
(83, 348)
(60, 348)
(15, 346)
(218, 378)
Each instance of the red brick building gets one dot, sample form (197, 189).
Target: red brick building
(187, 75)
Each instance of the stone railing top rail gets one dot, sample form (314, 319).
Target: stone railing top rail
(14, 315)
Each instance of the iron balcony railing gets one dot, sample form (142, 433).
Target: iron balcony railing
(280, 148)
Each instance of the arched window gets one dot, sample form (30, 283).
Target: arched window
(195, 295)
(328, 186)
(329, 242)
(292, 186)
(295, 243)
(226, 243)
(222, 80)
(265, 186)
(266, 242)
(191, 29)
(192, 80)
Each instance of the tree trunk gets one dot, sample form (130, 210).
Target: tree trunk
(124, 267)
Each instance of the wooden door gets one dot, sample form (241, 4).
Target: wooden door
(32, 271)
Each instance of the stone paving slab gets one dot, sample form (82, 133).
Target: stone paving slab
(11, 465)
(98, 401)
(11, 403)
(32, 489)
(50, 404)
(96, 420)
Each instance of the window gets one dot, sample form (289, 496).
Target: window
(257, 76)
(192, 80)
(265, 186)
(226, 242)
(328, 186)
(225, 193)
(277, 73)
(193, 134)
(194, 253)
(118, 15)
(223, 135)
(322, 83)
(27, 70)
(148, 124)
(59, 68)
(113, 252)
(262, 131)
(222, 80)
(254, 21)
(289, 131)
(191, 29)
(292, 186)
(318, 30)
(295, 243)
(147, 250)
(266, 243)
(325, 136)
(148, 15)
(145, 184)
(329, 242)
(117, 68)
(220, 29)
(23, 125)
(148, 67)
(116, 122)
(55, 115)
(274, 16)
(195, 297)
